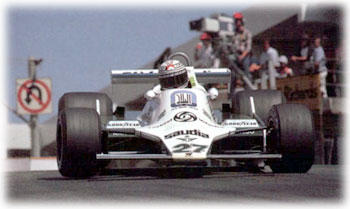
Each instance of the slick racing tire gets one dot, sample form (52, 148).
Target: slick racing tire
(292, 135)
(78, 141)
(263, 100)
(88, 100)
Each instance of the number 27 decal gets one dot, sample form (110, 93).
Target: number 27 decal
(180, 148)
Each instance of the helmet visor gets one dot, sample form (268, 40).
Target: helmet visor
(174, 81)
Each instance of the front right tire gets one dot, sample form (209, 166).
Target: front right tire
(292, 135)
(263, 99)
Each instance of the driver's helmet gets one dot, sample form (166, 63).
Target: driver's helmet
(173, 74)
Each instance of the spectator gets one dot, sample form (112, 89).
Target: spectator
(304, 54)
(242, 43)
(318, 59)
(339, 57)
(204, 52)
(254, 60)
(269, 54)
(284, 70)
(339, 63)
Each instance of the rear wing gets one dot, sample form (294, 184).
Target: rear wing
(204, 76)
(129, 86)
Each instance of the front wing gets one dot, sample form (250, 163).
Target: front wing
(123, 156)
(129, 128)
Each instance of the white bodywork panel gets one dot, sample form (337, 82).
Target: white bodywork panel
(181, 119)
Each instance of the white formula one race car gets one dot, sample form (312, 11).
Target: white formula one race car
(182, 130)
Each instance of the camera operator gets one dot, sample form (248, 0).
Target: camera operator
(231, 43)
(204, 52)
(242, 44)
(239, 58)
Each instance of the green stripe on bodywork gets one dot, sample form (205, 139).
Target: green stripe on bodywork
(193, 83)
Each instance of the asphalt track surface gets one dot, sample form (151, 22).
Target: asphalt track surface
(320, 183)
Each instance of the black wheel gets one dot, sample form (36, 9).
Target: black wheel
(263, 100)
(78, 141)
(292, 135)
(88, 100)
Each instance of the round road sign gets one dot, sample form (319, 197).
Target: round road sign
(34, 96)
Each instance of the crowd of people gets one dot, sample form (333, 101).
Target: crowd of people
(310, 56)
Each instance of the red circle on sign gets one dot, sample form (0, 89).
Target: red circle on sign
(24, 88)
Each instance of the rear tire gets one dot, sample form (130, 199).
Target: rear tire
(263, 100)
(292, 136)
(78, 142)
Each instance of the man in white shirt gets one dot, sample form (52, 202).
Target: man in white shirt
(318, 59)
(271, 55)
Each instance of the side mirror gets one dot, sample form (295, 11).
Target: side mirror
(149, 95)
(213, 93)
(120, 113)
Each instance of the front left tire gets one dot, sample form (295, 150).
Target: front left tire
(78, 141)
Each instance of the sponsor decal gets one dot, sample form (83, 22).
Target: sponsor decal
(241, 123)
(183, 98)
(161, 115)
(187, 138)
(302, 89)
(122, 124)
(186, 132)
(185, 117)
(187, 107)
(162, 124)
(299, 94)
(248, 133)
(209, 124)
(244, 133)
(188, 148)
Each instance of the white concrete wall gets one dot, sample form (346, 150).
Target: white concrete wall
(31, 164)
(18, 136)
